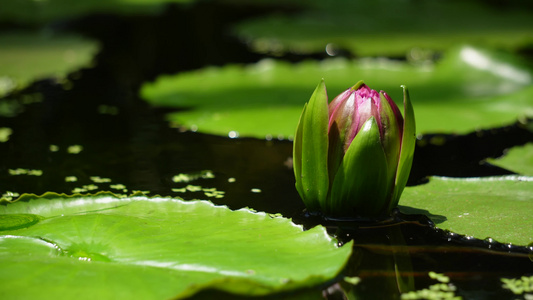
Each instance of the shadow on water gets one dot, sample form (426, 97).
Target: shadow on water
(437, 219)
(125, 140)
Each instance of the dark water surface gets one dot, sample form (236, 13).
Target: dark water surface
(124, 139)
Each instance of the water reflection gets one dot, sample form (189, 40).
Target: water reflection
(406, 256)
(383, 263)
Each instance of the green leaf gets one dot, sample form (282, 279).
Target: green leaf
(360, 185)
(407, 149)
(265, 99)
(104, 247)
(411, 28)
(518, 159)
(496, 207)
(26, 56)
(314, 150)
(297, 159)
(36, 12)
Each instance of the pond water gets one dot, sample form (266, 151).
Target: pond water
(94, 133)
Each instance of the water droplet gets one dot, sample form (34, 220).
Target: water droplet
(331, 49)
(233, 134)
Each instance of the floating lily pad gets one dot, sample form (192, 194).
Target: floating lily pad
(496, 207)
(44, 11)
(518, 159)
(25, 57)
(385, 27)
(465, 91)
(104, 247)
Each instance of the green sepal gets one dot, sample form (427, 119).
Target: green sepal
(407, 149)
(356, 86)
(297, 153)
(311, 150)
(359, 188)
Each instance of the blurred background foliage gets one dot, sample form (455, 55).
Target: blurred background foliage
(26, 56)
(45, 11)
(467, 63)
(391, 28)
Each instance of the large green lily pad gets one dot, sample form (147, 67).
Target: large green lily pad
(28, 56)
(469, 89)
(518, 159)
(495, 207)
(388, 27)
(104, 247)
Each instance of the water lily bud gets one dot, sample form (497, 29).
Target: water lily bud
(352, 157)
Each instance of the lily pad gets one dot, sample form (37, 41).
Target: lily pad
(390, 28)
(495, 207)
(518, 159)
(44, 11)
(465, 91)
(101, 246)
(27, 56)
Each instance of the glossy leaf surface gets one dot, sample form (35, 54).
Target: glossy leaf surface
(156, 248)
(265, 99)
(495, 207)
